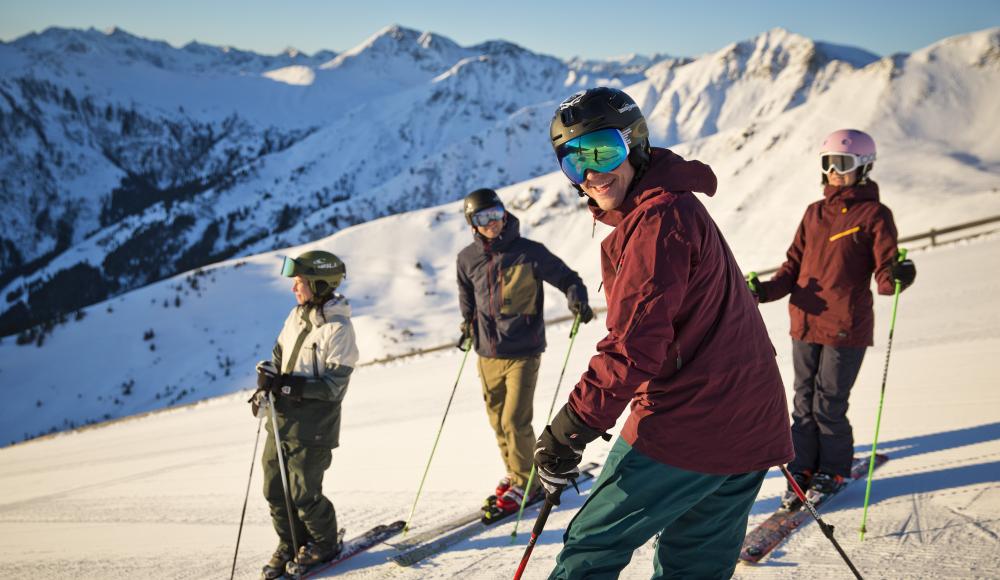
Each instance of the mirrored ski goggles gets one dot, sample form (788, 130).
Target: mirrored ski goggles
(601, 151)
(291, 268)
(491, 214)
(840, 162)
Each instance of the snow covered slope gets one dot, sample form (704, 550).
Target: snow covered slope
(161, 496)
(128, 161)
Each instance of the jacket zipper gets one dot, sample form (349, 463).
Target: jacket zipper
(493, 310)
(315, 362)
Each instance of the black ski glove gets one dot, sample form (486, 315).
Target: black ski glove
(756, 287)
(267, 375)
(290, 386)
(578, 306)
(905, 272)
(559, 450)
(466, 329)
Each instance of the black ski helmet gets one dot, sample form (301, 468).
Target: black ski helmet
(322, 270)
(480, 200)
(601, 108)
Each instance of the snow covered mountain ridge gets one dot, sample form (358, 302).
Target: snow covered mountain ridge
(126, 160)
(117, 173)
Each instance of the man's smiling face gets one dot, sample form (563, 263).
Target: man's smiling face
(608, 189)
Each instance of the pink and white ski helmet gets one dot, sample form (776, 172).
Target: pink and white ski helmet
(850, 141)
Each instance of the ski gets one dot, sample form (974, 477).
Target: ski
(435, 546)
(351, 548)
(773, 531)
(412, 540)
(420, 537)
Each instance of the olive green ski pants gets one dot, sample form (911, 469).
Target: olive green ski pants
(509, 393)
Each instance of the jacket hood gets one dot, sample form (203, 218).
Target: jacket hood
(510, 232)
(843, 195)
(667, 171)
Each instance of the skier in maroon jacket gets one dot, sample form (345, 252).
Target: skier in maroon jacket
(842, 240)
(686, 349)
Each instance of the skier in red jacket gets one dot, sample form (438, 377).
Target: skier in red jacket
(686, 350)
(842, 240)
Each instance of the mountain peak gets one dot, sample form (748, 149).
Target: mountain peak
(430, 52)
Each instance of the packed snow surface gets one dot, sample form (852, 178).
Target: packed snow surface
(160, 496)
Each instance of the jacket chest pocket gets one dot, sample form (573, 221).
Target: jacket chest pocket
(518, 290)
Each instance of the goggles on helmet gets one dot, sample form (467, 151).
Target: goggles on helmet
(491, 214)
(601, 151)
(842, 163)
(290, 268)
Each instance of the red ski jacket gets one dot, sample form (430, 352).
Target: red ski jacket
(841, 241)
(686, 345)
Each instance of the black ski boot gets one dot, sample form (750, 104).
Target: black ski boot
(310, 555)
(275, 567)
(826, 483)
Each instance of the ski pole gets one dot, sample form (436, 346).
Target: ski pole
(253, 459)
(468, 346)
(543, 516)
(531, 475)
(284, 476)
(827, 528)
(878, 417)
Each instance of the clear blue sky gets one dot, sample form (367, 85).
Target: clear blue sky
(585, 28)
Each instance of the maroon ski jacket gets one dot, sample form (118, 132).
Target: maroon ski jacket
(686, 344)
(841, 241)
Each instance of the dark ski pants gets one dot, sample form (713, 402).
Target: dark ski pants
(701, 520)
(509, 393)
(821, 433)
(314, 517)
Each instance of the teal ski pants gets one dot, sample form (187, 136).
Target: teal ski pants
(701, 520)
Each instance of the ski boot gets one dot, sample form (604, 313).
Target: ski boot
(510, 503)
(310, 555)
(502, 486)
(826, 483)
(790, 501)
(275, 567)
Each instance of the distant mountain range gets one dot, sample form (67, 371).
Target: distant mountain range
(125, 160)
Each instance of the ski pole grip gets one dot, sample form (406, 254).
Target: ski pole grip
(543, 516)
(902, 254)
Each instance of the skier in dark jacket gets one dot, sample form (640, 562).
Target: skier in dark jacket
(686, 350)
(500, 295)
(308, 374)
(842, 240)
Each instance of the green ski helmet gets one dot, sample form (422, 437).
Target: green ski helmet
(322, 270)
